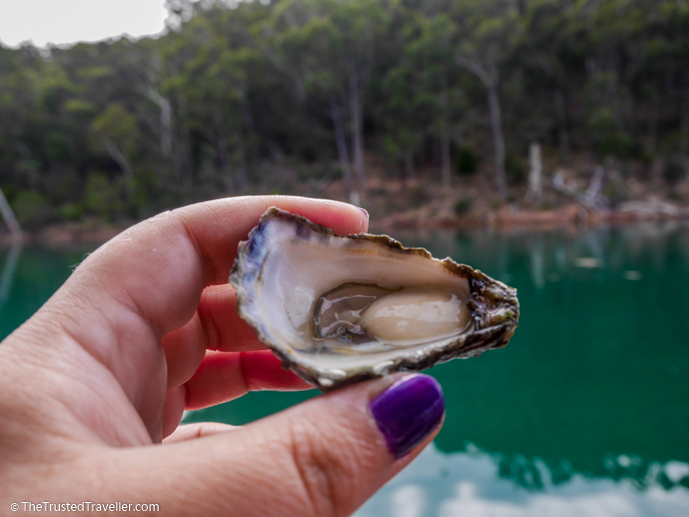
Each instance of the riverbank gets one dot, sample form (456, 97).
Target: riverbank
(515, 216)
(426, 217)
(471, 202)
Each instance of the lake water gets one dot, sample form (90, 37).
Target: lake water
(585, 412)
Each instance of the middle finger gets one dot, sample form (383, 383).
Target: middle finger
(215, 326)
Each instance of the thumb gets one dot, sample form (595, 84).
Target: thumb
(324, 457)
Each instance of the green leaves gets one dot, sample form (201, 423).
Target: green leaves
(210, 107)
(117, 124)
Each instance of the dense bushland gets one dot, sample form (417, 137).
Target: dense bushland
(248, 97)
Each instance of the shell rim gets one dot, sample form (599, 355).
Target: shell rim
(495, 334)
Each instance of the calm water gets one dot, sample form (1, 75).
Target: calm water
(586, 412)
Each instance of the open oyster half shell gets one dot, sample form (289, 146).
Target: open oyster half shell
(337, 310)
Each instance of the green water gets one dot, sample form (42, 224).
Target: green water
(589, 400)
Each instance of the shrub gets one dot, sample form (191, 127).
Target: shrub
(101, 197)
(616, 192)
(463, 205)
(32, 210)
(617, 144)
(71, 211)
(466, 161)
(674, 169)
(515, 169)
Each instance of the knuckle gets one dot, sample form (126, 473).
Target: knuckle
(323, 470)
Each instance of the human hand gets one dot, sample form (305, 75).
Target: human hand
(145, 327)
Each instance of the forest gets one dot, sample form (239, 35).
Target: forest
(291, 95)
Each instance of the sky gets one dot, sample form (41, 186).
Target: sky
(69, 21)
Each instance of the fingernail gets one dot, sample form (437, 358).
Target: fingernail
(408, 411)
(364, 211)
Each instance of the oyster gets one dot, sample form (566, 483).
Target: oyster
(337, 310)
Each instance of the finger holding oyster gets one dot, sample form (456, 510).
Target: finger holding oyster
(340, 309)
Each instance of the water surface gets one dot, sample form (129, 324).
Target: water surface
(586, 412)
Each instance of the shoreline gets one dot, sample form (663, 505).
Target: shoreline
(508, 217)
(512, 216)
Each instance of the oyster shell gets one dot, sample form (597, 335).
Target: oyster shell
(337, 310)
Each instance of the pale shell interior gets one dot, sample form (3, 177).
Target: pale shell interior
(299, 267)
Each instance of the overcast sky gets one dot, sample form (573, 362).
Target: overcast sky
(69, 21)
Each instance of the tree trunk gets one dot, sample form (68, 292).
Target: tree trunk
(445, 167)
(224, 168)
(490, 81)
(165, 121)
(121, 160)
(8, 215)
(562, 133)
(342, 153)
(684, 143)
(521, 7)
(409, 165)
(445, 159)
(357, 128)
(592, 196)
(181, 150)
(652, 135)
(33, 174)
(535, 193)
(242, 181)
(498, 139)
(166, 128)
(9, 269)
(184, 164)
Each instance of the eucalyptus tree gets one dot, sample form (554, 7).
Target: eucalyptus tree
(432, 52)
(659, 79)
(207, 76)
(401, 103)
(403, 116)
(19, 74)
(600, 33)
(326, 49)
(542, 56)
(115, 130)
(488, 30)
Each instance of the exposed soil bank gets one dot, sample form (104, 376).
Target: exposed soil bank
(514, 216)
(471, 202)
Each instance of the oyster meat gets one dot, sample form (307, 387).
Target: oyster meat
(337, 310)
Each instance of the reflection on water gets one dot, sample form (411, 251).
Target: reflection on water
(586, 412)
(30, 275)
(8, 270)
(593, 384)
(474, 484)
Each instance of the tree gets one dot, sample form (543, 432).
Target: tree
(115, 130)
(326, 49)
(488, 29)
(432, 52)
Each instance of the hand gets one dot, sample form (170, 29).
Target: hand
(145, 327)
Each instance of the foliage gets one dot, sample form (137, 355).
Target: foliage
(463, 205)
(466, 160)
(101, 197)
(674, 169)
(235, 93)
(32, 209)
(515, 167)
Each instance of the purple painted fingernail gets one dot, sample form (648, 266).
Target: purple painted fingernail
(408, 411)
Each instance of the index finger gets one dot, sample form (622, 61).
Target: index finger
(160, 266)
(148, 280)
